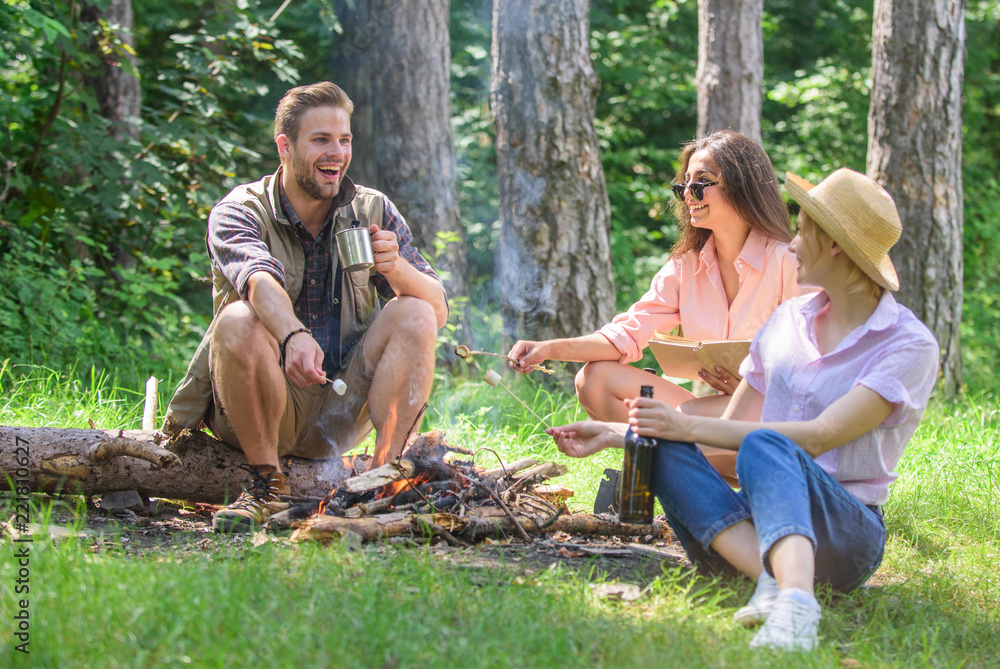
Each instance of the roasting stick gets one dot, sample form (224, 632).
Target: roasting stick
(493, 379)
(463, 351)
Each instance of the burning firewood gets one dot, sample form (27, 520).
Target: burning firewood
(453, 501)
(432, 476)
(380, 476)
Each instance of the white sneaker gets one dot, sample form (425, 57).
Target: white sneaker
(761, 603)
(792, 625)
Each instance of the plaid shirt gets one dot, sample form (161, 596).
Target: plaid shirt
(237, 251)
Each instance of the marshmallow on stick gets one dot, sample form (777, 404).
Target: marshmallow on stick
(493, 379)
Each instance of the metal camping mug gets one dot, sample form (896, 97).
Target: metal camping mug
(355, 247)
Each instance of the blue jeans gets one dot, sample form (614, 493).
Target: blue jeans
(783, 492)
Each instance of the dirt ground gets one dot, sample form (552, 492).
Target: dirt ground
(176, 527)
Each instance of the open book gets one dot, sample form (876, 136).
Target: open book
(684, 358)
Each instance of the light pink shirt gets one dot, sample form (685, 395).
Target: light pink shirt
(893, 354)
(688, 291)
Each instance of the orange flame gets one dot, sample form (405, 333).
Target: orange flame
(390, 489)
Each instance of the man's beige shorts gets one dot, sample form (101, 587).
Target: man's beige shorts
(317, 423)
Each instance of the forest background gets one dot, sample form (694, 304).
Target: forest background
(102, 256)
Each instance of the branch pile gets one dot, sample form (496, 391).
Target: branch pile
(432, 492)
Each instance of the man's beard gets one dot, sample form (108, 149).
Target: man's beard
(303, 173)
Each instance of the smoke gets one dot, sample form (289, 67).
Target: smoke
(520, 277)
(341, 424)
(344, 422)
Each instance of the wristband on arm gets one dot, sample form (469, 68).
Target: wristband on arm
(284, 342)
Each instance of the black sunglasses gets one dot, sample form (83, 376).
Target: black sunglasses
(697, 189)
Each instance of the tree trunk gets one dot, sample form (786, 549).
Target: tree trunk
(915, 152)
(191, 466)
(394, 62)
(554, 260)
(730, 66)
(116, 87)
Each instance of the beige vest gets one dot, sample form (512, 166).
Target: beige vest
(358, 299)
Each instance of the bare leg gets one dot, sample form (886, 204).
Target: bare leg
(401, 345)
(249, 382)
(738, 545)
(602, 386)
(793, 562)
(724, 460)
(711, 406)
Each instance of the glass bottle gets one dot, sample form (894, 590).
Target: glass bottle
(637, 476)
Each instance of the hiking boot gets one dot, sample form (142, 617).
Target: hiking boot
(761, 604)
(256, 504)
(792, 624)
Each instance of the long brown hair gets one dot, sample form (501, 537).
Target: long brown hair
(747, 182)
(297, 101)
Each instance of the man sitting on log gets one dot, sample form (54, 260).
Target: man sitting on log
(292, 328)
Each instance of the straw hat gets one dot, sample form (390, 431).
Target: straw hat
(858, 214)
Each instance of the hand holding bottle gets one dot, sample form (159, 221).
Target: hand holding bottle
(637, 498)
(655, 418)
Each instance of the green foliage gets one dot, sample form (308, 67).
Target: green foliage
(981, 183)
(38, 396)
(822, 122)
(646, 54)
(479, 198)
(817, 80)
(101, 241)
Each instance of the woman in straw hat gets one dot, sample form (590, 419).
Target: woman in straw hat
(728, 271)
(833, 389)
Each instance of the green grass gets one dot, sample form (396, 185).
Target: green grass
(933, 602)
(41, 397)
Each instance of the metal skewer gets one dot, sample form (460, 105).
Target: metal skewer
(493, 379)
(463, 351)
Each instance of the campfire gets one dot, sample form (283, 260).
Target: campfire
(434, 491)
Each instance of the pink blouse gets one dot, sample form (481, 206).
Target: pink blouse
(688, 291)
(893, 354)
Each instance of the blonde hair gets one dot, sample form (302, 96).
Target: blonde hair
(858, 282)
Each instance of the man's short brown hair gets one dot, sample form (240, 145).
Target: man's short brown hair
(299, 100)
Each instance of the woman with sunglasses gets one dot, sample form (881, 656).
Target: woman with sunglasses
(834, 387)
(728, 271)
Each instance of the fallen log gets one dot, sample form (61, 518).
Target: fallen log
(190, 465)
(325, 529)
(474, 526)
(479, 527)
